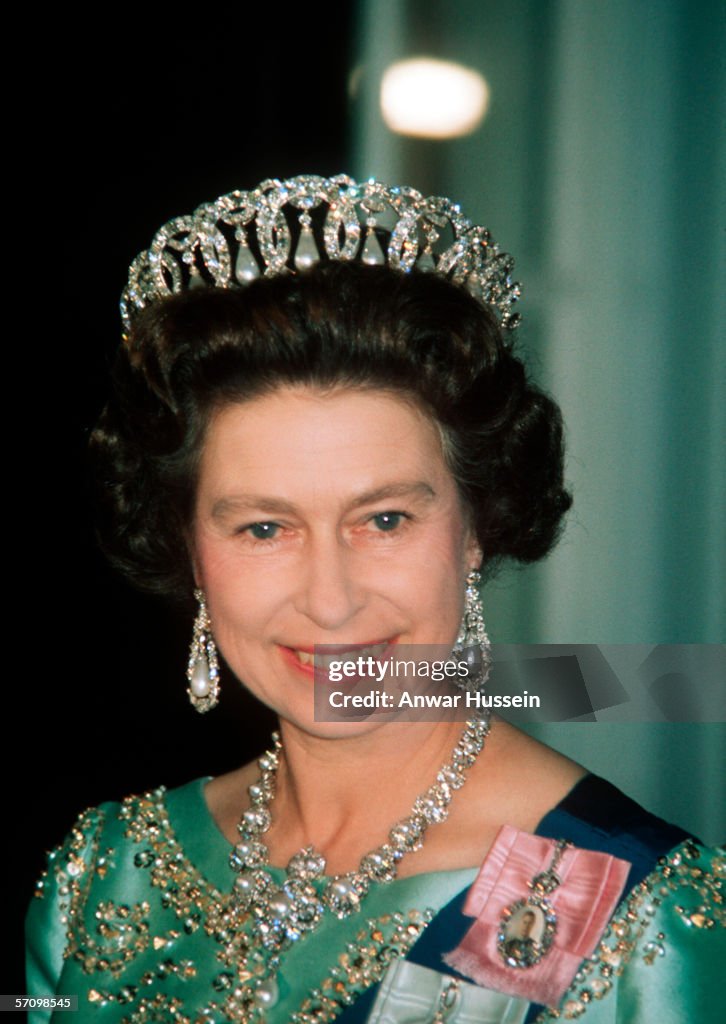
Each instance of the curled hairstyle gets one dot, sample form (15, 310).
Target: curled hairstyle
(336, 324)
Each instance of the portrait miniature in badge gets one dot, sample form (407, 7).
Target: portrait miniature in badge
(526, 932)
(528, 926)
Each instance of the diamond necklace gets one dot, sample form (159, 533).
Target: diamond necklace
(279, 915)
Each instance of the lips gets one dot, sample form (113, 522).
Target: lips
(319, 658)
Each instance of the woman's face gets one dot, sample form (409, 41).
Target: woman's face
(325, 518)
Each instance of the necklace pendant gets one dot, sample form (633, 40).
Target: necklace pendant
(343, 894)
(285, 913)
(307, 864)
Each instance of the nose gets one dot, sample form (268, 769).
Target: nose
(330, 591)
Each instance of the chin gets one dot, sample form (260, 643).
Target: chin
(349, 724)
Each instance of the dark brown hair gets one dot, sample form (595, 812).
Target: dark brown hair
(338, 323)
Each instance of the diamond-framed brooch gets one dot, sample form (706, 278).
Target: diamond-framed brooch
(528, 926)
(526, 931)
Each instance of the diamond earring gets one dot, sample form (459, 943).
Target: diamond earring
(203, 667)
(472, 644)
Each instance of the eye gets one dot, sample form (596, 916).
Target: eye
(387, 521)
(262, 531)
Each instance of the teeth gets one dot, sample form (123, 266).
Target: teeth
(324, 661)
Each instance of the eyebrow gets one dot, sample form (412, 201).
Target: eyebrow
(278, 506)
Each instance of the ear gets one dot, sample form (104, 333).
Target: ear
(193, 560)
(474, 553)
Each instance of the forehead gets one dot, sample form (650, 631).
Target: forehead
(349, 435)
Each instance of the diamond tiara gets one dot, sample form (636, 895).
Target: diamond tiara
(283, 226)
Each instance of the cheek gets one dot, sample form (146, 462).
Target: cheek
(437, 577)
(233, 597)
(213, 568)
(448, 548)
(248, 597)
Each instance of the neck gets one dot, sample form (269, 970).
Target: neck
(343, 795)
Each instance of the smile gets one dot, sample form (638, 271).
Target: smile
(322, 656)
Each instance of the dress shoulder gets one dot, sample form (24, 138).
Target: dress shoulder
(661, 957)
(97, 861)
(657, 960)
(596, 815)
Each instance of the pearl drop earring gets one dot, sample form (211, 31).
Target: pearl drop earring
(472, 644)
(203, 667)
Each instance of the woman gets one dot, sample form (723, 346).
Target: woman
(319, 429)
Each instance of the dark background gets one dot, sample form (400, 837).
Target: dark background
(119, 131)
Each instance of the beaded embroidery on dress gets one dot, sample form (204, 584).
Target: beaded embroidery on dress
(133, 924)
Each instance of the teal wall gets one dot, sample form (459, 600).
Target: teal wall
(601, 167)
